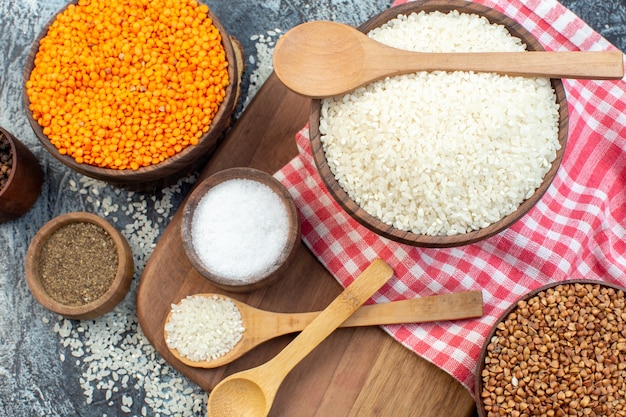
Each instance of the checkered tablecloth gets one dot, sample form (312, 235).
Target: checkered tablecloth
(578, 229)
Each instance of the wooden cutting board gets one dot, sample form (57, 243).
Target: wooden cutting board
(356, 372)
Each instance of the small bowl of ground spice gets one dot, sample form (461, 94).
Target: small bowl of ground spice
(79, 265)
(133, 93)
(20, 177)
(559, 351)
(240, 229)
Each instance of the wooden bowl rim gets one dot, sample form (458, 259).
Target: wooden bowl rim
(200, 191)
(114, 294)
(420, 240)
(478, 385)
(171, 165)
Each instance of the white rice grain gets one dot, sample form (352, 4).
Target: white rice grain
(442, 153)
(204, 328)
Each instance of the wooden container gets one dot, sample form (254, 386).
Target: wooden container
(172, 168)
(415, 239)
(279, 264)
(116, 291)
(586, 345)
(24, 183)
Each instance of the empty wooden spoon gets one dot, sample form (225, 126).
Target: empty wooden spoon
(250, 393)
(262, 325)
(322, 59)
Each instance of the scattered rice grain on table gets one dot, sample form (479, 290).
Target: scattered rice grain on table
(262, 64)
(442, 153)
(113, 355)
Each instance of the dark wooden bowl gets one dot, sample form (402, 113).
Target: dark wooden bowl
(573, 343)
(24, 184)
(415, 239)
(114, 294)
(288, 252)
(171, 169)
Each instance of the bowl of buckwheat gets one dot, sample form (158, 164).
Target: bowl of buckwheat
(559, 351)
(20, 177)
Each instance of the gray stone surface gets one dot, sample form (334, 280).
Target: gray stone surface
(46, 362)
(607, 17)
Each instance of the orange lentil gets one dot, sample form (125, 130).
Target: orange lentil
(123, 84)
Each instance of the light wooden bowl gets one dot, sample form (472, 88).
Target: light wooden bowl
(280, 265)
(24, 184)
(115, 293)
(574, 344)
(171, 169)
(415, 239)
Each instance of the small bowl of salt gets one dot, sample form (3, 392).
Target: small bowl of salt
(240, 229)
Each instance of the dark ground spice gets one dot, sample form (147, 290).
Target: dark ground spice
(6, 160)
(78, 263)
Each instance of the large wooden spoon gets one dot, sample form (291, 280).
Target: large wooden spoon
(322, 59)
(262, 325)
(250, 393)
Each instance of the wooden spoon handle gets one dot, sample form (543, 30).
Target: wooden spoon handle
(323, 59)
(363, 287)
(452, 306)
(571, 64)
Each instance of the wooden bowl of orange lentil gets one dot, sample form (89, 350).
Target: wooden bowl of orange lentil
(137, 93)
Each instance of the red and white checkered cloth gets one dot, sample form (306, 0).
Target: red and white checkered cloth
(578, 229)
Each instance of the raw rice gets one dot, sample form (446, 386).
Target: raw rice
(111, 353)
(204, 328)
(442, 153)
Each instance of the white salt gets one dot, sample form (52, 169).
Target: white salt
(239, 229)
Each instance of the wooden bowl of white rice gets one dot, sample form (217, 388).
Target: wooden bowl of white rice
(240, 229)
(442, 159)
